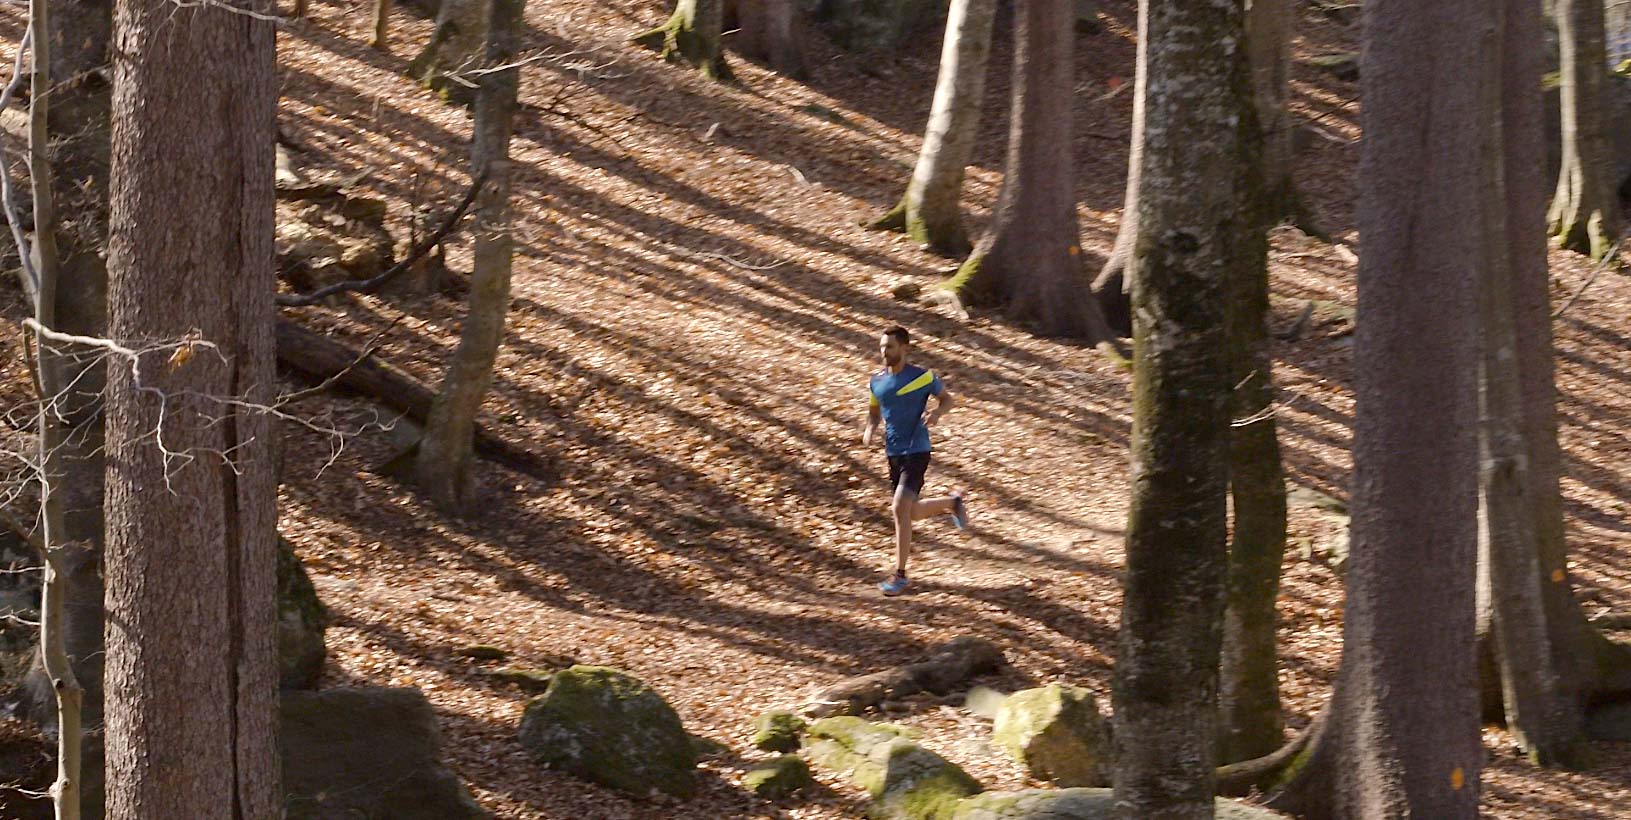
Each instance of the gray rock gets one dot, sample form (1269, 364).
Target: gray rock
(778, 777)
(1075, 804)
(301, 620)
(609, 728)
(1058, 734)
(367, 753)
(778, 731)
(1610, 722)
(877, 25)
(905, 780)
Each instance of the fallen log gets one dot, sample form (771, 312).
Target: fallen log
(322, 359)
(949, 665)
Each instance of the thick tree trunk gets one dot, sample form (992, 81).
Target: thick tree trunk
(455, 46)
(1249, 720)
(929, 211)
(443, 463)
(1195, 226)
(1111, 286)
(770, 31)
(191, 495)
(1543, 716)
(692, 37)
(1029, 262)
(1585, 213)
(1402, 739)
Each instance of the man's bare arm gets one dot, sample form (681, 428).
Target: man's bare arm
(942, 405)
(874, 417)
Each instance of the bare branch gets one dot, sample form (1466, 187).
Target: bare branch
(1612, 256)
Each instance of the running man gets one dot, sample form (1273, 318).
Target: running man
(900, 397)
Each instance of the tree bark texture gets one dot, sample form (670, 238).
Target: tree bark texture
(770, 31)
(1543, 715)
(1111, 286)
(1270, 26)
(1194, 226)
(1585, 213)
(1402, 739)
(1029, 262)
(929, 212)
(381, 19)
(1250, 724)
(191, 494)
(692, 37)
(443, 462)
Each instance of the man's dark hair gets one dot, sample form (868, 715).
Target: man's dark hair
(900, 334)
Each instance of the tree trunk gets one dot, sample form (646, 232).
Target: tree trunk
(1111, 287)
(1249, 720)
(455, 46)
(191, 494)
(1542, 715)
(692, 37)
(929, 211)
(382, 24)
(1402, 739)
(1029, 261)
(1195, 226)
(443, 463)
(1585, 213)
(770, 31)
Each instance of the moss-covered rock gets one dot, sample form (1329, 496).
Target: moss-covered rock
(1057, 733)
(778, 777)
(301, 620)
(905, 780)
(1075, 804)
(778, 731)
(609, 728)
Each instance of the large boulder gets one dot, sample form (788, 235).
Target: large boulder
(905, 780)
(301, 620)
(1058, 734)
(609, 728)
(1076, 804)
(1610, 722)
(367, 753)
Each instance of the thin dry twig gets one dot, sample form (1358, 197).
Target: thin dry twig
(1613, 255)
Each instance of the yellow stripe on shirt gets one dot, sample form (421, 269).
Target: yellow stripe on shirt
(918, 383)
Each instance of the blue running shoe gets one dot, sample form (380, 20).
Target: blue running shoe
(895, 585)
(959, 511)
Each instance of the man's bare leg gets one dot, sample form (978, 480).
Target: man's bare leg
(905, 508)
(933, 507)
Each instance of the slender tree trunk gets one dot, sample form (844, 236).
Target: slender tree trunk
(1249, 721)
(1029, 261)
(382, 24)
(770, 31)
(1111, 286)
(1195, 225)
(442, 465)
(1540, 711)
(191, 495)
(1402, 738)
(929, 211)
(692, 37)
(1585, 214)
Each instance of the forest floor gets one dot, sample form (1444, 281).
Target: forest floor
(694, 316)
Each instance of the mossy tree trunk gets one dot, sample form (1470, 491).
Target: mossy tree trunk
(929, 211)
(1585, 213)
(1250, 724)
(770, 31)
(1195, 227)
(692, 37)
(455, 46)
(1402, 737)
(191, 492)
(1029, 261)
(442, 464)
(1111, 285)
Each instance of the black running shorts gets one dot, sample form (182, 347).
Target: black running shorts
(910, 469)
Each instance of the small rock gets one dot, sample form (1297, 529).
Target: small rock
(528, 680)
(1057, 733)
(1343, 65)
(609, 728)
(778, 731)
(483, 652)
(906, 290)
(778, 777)
(905, 780)
(367, 209)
